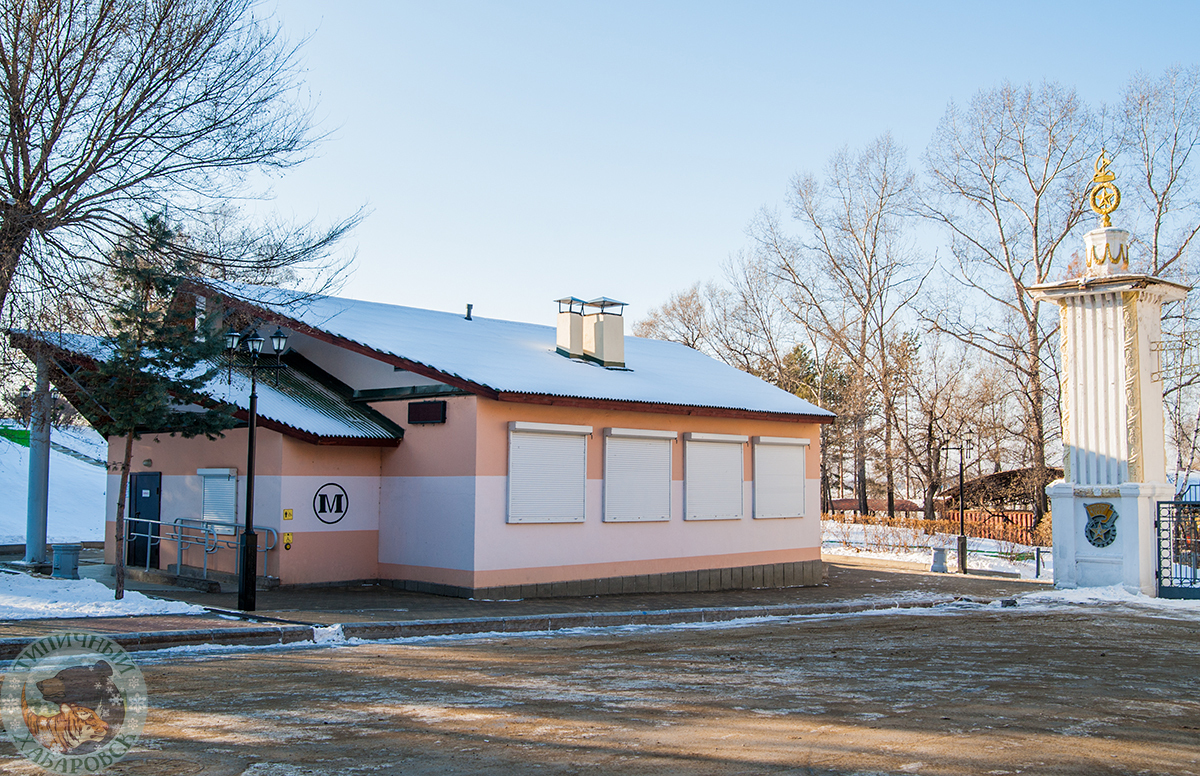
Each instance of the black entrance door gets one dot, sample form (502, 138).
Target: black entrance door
(145, 498)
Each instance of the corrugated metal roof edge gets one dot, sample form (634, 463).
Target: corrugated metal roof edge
(661, 407)
(488, 391)
(316, 439)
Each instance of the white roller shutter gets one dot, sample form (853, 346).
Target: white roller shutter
(547, 477)
(219, 498)
(713, 480)
(779, 477)
(637, 476)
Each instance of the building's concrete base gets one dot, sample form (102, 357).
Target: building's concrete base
(798, 574)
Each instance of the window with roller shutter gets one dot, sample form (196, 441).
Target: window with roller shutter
(779, 477)
(218, 502)
(713, 476)
(547, 472)
(637, 475)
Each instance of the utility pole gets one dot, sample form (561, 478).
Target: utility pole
(37, 503)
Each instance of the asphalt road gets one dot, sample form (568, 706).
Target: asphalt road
(963, 689)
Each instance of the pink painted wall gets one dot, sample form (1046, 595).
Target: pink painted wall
(434, 508)
(434, 449)
(320, 552)
(427, 495)
(492, 450)
(507, 554)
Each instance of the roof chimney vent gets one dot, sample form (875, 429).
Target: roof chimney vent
(570, 326)
(604, 331)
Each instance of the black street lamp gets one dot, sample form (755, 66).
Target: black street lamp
(248, 543)
(964, 449)
(26, 404)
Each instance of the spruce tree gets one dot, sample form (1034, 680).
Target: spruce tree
(155, 359)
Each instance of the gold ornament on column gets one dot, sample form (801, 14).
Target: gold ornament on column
(1106, 197)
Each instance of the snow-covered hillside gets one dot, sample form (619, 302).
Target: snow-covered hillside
(76, 511)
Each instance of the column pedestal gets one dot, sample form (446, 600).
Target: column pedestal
(1105, 536)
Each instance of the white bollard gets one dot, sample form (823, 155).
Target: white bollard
(939, 561)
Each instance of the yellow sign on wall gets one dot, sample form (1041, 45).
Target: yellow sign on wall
(287, 514)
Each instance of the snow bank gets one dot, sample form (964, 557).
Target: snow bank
(1113, 594)
(24, 597)
(76, 508)
(853, 540)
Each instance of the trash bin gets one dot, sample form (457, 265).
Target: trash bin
(938, 565)
(66, 561)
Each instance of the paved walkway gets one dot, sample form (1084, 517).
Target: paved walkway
(376, 612)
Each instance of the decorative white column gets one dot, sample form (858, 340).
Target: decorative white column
(1114, 449)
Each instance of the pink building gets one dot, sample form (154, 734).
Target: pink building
(478, 457)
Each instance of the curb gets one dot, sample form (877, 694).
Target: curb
(146, 640)
(373, 631)
(268, 635)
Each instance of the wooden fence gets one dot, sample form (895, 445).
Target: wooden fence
(1016, 527)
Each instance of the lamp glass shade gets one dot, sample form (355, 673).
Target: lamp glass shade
(254, 342)
(279, 340)
(231, 339)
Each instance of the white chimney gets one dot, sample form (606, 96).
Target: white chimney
(603, 331)
(570, 326)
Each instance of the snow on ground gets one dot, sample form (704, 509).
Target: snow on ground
(24, 597)
(76, 509)
(889, 543)
(1114, 594)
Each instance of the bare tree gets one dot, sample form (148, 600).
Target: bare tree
(749, 326)
(1007, 179)
(849, 275)
(115, 108)
(682, 318)
(936, 414)
(1159, 132)
(1160, 129)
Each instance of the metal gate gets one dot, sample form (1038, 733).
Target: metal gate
(1178, 530)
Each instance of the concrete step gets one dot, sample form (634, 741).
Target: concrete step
(229, 582)
(159, 577)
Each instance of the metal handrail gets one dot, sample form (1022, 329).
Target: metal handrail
(191, 532)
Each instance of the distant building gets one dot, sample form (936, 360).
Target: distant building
(1012, 490)
(479, 457)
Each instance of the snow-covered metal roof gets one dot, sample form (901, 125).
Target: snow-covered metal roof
(513, 357)
(294, 399)
(286, 397)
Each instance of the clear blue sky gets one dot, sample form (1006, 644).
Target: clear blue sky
(515, 152)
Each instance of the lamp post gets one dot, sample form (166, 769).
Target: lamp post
(964, 449)
(248, 542)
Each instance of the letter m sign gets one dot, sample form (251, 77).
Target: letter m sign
(330, 503)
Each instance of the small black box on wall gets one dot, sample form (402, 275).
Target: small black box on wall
(427, 412)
